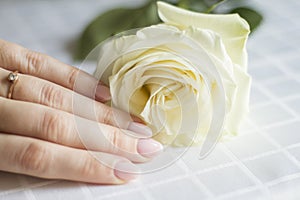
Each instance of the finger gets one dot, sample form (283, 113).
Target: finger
(47, 160)
(36, 90)
(45, 123)
(14, 57)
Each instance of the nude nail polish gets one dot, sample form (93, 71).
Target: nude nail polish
(149, 148)
(126, 171)
(140, 128)
(103, 93)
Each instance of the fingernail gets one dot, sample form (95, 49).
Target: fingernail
(140, 128)
(103, 93)
(149, 148)
(126, 171)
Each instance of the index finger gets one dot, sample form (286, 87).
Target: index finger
(14, 57)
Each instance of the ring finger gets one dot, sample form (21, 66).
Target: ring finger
(36, 90)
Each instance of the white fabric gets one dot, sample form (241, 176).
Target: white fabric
(262, 163)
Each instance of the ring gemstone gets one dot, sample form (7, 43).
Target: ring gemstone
(12, 77)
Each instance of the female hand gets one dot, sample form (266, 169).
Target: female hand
(51, 118)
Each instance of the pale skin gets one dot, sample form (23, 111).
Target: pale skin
(38, 133)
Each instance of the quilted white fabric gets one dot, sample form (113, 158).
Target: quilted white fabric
(262, 163)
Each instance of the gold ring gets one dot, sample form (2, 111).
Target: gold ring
(13, 79)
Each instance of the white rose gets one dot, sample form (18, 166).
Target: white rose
(184, 77)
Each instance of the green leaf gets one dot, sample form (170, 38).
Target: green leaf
(251, 16)
(113, 22)
(214, 6)
(194, 5)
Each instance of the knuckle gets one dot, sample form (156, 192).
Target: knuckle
(72, 77)
(120, 142)
(34, 158)
(105, 115)
(52, 96)
(89, 167)
(35, 62)
(8, 53)
(117, 141)
(54, 127)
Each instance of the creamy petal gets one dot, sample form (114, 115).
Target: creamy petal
(233, 29)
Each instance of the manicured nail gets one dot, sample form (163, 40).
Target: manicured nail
(149, 148)
(103, 93)
(126, 171)
(140, 128)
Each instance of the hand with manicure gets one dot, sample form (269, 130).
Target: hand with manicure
(42, 134)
